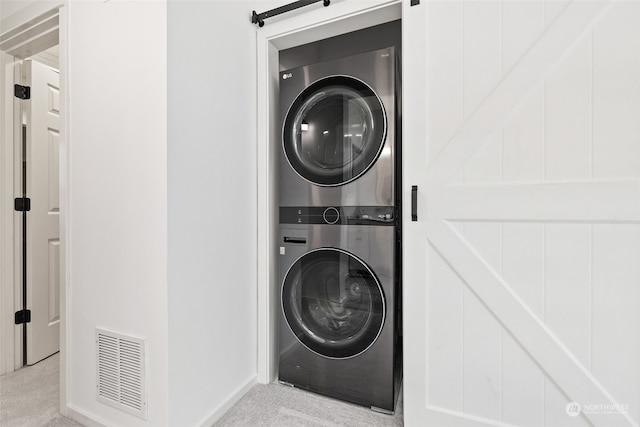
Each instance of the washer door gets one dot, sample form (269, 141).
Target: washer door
(333, 303)
(334, 131)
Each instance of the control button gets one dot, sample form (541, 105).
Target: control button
(331, 215)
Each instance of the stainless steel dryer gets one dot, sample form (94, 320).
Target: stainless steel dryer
(339, 323)
(338, 123)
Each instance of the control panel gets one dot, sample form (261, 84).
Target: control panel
(339, 215)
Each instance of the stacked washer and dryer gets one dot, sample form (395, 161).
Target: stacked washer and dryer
(339, 252)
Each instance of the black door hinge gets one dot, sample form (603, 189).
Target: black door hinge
(415, 2)
(23, 316)
(23, 204)
(22, 92)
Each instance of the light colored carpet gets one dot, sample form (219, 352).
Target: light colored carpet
(30, 397)
(275, 405)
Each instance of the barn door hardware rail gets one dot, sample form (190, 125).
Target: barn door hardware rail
(258, 18)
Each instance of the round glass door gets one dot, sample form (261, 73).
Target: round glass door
(334, 131)
(333, 303)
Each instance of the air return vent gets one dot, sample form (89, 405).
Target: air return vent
(121, 380)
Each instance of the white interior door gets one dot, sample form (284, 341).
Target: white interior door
(522, 280)
(43, 229)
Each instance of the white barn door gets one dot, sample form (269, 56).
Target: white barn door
(522, 273)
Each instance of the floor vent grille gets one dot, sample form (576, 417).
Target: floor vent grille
(121, 376)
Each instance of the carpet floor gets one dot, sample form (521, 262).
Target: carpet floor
(30, 397)
(276, 405)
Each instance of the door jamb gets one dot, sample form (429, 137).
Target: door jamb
(7, 229)
(18, 218)
(301, 28)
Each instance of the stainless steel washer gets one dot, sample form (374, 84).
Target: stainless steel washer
(339, 323)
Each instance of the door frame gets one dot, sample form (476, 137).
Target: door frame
(25, 19)
(18, 219)
(302, 27)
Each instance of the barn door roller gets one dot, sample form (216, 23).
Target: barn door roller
(258, 18)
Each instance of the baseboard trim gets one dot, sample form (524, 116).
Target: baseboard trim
(82, 417)
(87, 420)
(217, 413)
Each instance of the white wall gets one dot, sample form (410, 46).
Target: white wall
(9, 7)
(212, 206)
(118, 197)
(119, 252)
(6, 243)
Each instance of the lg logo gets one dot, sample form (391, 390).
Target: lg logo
(287, 76)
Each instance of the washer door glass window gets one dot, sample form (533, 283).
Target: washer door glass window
(334, 131)
(333, 303)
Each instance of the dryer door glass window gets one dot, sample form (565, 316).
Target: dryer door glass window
(334, 131)
(333, 303)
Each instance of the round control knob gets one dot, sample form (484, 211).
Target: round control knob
(331, 215)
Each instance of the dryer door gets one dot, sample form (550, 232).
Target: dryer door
(334, 131)
(333, 303)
